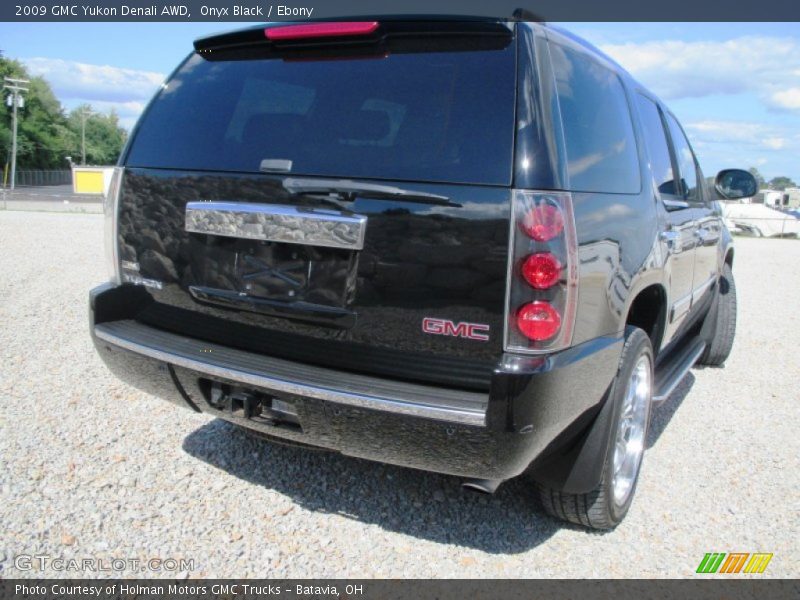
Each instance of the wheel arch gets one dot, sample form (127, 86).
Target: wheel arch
(647, 310)
(728, 260)
(579, 469)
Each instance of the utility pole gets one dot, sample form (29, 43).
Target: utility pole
(86, 112)
(15, 86)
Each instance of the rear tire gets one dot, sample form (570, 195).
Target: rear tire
(632, 393)
(723, 327)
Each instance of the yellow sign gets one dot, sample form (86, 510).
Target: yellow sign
(88, 182)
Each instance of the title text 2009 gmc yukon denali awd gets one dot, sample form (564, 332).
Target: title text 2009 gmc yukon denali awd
(476, 247)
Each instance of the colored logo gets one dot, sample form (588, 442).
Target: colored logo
(734, 562)
(470, 331)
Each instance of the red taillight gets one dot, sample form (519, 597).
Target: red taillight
(538, 320)
(543, 222)
(541, 270)
(543, 273)
(320, 30)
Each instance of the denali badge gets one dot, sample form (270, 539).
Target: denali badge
(471, 331)
(139, 280)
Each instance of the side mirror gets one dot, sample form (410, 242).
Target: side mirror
(733, 184)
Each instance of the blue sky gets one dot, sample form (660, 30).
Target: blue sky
(734, 86)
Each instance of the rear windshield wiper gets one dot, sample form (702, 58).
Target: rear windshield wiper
(349, 190)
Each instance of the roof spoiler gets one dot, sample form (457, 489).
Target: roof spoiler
(387, 27)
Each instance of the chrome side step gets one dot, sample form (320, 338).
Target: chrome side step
(669, 375)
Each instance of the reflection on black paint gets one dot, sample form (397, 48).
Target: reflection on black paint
(418, 260)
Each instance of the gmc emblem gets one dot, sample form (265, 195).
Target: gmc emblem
(471, 331)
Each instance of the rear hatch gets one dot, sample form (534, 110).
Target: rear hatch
(340, 200)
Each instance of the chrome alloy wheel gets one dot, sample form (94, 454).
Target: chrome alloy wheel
(630, 439)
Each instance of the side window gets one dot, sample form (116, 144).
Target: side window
(601, 148)
(655, 139)
(687, 165)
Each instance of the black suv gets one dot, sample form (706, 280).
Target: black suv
(476, 247)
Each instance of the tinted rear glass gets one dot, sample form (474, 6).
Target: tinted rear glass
(601, 148)
(434, 116)
(655, 139)
(687, 165)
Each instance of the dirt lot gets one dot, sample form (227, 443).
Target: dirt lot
(91, 468)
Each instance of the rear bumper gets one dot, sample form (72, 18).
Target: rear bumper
(536, 409)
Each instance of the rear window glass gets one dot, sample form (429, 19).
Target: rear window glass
(434, 116)
(601, 148)
(687, 165)
(657, 147)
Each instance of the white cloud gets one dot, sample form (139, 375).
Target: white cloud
(124, 109)
(729, 131)
(725, 144)
(789, 98)
(72, 79)
(767, 66)
(103, 86)
(757, 135)
(775, 143)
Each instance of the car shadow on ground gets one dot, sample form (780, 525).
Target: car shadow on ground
(662, 415)
(415, 503)
(407, 501)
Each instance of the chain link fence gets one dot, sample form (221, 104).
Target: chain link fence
(41, 178)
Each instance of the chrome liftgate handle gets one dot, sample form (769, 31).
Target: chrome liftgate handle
(278, 223)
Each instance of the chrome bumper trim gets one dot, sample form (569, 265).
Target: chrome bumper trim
(462, 416)
(277, 223)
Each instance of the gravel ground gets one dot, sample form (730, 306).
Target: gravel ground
(53, 192)
(50, 199)
(93, 468)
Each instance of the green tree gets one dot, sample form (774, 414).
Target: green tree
(104, 136)
(46, 136)
(781, 183)
(758, 177)
(42, 134)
